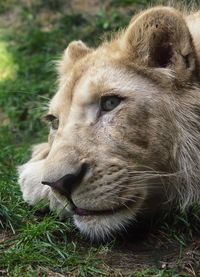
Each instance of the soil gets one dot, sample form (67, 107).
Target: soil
(133, 256)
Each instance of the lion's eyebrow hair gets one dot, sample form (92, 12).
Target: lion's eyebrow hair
(114, 91)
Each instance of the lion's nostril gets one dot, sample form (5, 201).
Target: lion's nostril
(47, 183)
(68, 182)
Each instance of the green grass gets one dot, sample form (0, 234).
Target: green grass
(45, 243)
(34, 245)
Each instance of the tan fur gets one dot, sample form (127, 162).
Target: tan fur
(146, 151)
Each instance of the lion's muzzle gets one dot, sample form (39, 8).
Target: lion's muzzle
(66, 184)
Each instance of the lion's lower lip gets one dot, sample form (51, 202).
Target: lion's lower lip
(85, 212)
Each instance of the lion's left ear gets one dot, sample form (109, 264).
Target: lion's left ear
(75, 51)
(160, 38)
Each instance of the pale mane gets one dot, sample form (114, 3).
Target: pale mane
(186, 115)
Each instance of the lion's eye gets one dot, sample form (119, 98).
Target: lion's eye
(109, 103)
(53, 121)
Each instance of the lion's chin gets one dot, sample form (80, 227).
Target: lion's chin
(103, 227)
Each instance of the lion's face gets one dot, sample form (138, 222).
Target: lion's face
(112, 134)
(112, 126)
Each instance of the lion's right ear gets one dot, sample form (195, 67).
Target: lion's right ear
(75, 51)
(159, 38)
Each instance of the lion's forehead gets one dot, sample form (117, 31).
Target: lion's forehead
(99, 79)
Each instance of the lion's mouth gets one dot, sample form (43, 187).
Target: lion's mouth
(85, 212)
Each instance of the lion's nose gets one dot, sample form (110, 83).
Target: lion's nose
(68, 182)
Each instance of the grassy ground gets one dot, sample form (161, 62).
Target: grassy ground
(32, 36)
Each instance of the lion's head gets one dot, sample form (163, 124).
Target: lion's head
(117, 123)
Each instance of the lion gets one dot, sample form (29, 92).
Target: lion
(124, 127)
